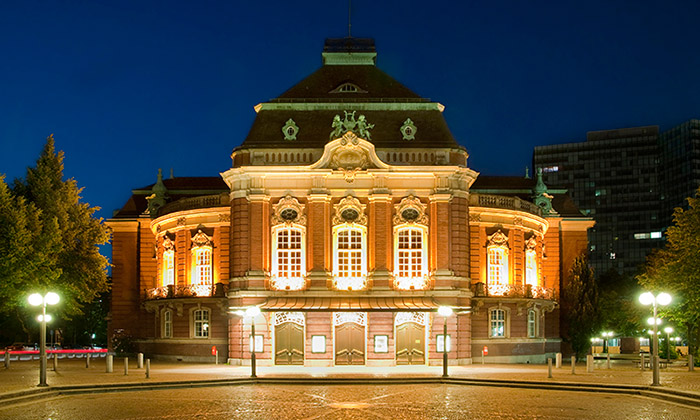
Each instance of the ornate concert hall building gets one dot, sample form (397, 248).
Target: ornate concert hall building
(348, 216)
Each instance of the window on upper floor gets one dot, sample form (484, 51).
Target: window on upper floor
(288, 263)
(168, 268)
(497, 264)
(202, 277)
(531, 278)
(410, 259)
(350, 245)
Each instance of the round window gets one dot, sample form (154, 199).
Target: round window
(410, 214)
(290, 131)
(349, 215)
(289, 214)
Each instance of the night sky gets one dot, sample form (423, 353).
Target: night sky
(128, 87)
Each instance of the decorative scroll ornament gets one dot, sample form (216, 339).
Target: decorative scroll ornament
(360, 127)
(349, 210)
(498, 239)
(410, 210)
(288, 211)
(531, 243)
(419, 318)
(283, 317)
(290, 130)
(408, 130)
(359, 318)
(350, 157)
(201, 239)
(168, 244)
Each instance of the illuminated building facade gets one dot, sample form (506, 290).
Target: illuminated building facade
(348, 217)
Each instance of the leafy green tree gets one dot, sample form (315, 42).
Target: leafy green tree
(675, 269)
(617, 304)
(580, 306)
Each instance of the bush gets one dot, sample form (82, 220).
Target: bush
(123, 343)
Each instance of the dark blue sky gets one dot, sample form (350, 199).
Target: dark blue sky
(128, 87)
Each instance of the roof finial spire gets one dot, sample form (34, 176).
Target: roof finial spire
(349, 18)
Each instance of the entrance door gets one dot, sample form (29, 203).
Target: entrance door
(350, 344)
(289, 344)
(410, 346)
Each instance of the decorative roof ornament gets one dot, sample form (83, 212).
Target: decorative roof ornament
(158, 197)
(201, 239)
(498, 239)
(531, 243)
(542, 199)
(290, 130)
(408, 130)
(288, 211)
(410, 210)
(168, 243)
(350, 210)
(360, 126)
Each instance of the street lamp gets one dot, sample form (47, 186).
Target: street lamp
(668, 331)
(251, 313)
(662, 299)
(36, 299)
(445, 311)
(606, 336)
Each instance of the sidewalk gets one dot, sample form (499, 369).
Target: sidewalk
(24, 376)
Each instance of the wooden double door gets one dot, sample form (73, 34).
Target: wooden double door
(289, 344)
(349, 344)
(410, 344)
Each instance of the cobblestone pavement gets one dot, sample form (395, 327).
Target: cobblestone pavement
(303, 402)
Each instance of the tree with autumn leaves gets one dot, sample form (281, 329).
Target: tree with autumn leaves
(49, 240)
(675, 269)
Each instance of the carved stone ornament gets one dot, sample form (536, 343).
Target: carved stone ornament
(224, 217)
(181, 221)
(474, 217)
(201, 239)
(408, 130)
(360, 127)
(168, 244)
(531, 243)
(349, 210)
(290, 130)
(518, 221)
(410, 210)
(498, 239)
(288, 211)
(349, 156)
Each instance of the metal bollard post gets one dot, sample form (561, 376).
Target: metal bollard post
(148, 368)
(483, 357)
(549, 367)
(7, 359)
(126, 366)
(608, 360)
(558, 361)
(110, 364)
(573, 364)
(87, 360)
(139, 361)
(589, 363)
(55, 361)
(691, 363)
(216, 357)
(642, 361)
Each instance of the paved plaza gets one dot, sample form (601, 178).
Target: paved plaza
(193, 392)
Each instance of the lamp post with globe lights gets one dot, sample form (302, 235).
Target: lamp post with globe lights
(662, 299)
(36, 299)
(252, 313)
(668, 331)
(445, 311)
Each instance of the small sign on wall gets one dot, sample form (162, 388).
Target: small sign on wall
(318, 344)
(381, 344)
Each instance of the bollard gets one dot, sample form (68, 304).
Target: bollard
(139, 361)
(216, 357)
(126, 366)
(589, 363)
(549, 367)
(55, 361)
(148, 368)
(573, 364)
(558, 360)
(110, 364)
(691, 363)
(483, 361)
(87, 360)
(608, 360)
(7, 359)
(641, 361)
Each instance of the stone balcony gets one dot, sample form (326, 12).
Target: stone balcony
(187, 291)
(205, 201)
(514, 291)
(502, 202)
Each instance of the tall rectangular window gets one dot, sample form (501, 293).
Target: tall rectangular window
(350, 267)
(168, 268)
(201, 323)
(498, 265)
(410, 253)
(202, 269)
(289, 258)
(168, 324)
(531, 268)
(531, 323)
(497, 319)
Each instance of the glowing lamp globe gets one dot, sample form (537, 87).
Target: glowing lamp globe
(46, 318)
(646, 298)
(252, 312)
(52, 298)
(35, 299)
(445, 311)
(668, 330)
(663, 299)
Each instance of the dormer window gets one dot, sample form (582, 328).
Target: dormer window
(348, 87)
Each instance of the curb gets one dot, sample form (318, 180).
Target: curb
(684, 398)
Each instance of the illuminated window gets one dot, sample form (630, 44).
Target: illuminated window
(200, 319)
(168, 268)
(202, 266)
(497, 323)
(532, 323)
(531, 268)
(288, 265)
(410, 259)
(167, 331)
(350, 268)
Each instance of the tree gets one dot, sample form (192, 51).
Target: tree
(675, 269)
(49, 239)
(580, 305)
(617, 304)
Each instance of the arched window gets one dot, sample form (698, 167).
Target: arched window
(167, 331)
(497, 253)
(350, 268)
(288, 262)
(532, 324)
(410, 258)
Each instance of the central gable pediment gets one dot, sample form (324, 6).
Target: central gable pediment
(349, 153)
